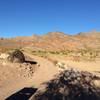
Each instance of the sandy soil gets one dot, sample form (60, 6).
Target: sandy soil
(90, 66)
(14, 77)
(11, 80)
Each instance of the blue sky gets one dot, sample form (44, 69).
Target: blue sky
(27, 17)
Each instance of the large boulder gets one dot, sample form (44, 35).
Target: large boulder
(16, 56)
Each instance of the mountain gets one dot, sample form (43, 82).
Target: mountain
(54, 41)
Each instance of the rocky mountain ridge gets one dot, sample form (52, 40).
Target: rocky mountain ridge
(55, 41)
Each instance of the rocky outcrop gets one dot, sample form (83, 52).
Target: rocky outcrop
(70, 85)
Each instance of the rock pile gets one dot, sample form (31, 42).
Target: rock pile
(4, 56)
(71, 85)
(27, 70)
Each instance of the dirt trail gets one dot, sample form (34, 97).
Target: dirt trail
(44, 72)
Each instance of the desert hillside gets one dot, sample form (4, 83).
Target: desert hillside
(48, 66)
(54, 41)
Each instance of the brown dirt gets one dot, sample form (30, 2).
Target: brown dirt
(14, 76)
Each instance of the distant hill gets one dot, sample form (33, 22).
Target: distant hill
(54, 41)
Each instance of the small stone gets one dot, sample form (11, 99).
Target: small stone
(96, 83)
(4, 63)
(78, 78)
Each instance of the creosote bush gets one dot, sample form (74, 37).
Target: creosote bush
(16, 56)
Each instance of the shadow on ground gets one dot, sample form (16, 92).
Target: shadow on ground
(30, 62)
(23, 94)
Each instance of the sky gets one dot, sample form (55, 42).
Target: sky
(27, 17)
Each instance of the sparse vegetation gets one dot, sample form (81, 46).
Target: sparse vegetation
(61, 52)
(81, 55)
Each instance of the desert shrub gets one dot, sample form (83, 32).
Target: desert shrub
(64, 52)
(16, 56)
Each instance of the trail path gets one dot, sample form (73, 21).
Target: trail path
(44, 72)
(10, 83)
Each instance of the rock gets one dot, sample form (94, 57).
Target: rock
(16, 57)
(61, 66)
(4, 56)
(70, 85)
(4, 63)
(96, 83)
